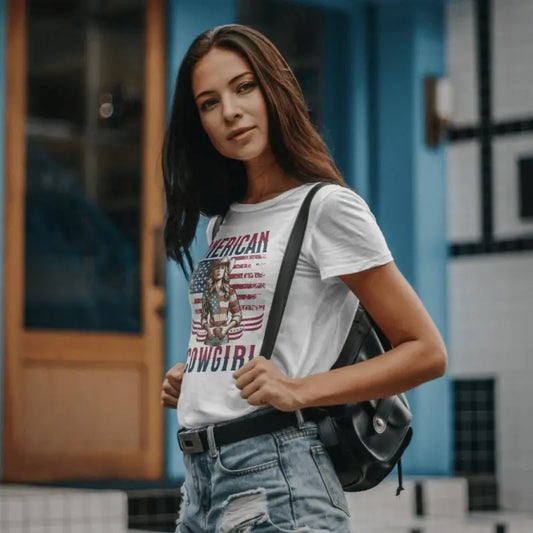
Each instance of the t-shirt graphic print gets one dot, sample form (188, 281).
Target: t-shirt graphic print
(227, 302)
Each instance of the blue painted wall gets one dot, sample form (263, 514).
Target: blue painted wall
(411, 199)
(3, 66)
(375, 130)
(186, 20)
(336, 94)
(359, 79)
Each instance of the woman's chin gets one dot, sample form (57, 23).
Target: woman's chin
(249, 153)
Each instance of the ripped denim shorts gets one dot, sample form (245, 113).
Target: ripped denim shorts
(277, 482)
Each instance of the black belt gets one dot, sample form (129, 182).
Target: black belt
(195, 440)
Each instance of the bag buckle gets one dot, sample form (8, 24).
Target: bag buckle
(190, 442)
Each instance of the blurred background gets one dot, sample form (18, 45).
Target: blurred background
(427, 108)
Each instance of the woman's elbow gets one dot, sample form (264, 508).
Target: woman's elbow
(439, 360)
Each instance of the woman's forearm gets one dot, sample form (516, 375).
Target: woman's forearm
(398, 370)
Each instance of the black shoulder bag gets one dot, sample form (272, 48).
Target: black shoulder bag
(365, 440)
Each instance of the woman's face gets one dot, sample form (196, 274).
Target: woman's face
(232, 109)
(219, 272)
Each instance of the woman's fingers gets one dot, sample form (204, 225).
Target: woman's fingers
(169, 401)
(175, 375)
(245, 379)
(250, 389)
(171, 387)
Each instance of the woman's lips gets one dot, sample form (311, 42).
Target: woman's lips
(242, 135)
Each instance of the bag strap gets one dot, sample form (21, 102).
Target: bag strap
(216, 227)
(286, 274)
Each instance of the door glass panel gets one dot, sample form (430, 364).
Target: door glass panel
(83, 164)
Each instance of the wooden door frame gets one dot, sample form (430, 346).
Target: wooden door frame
(24, 346)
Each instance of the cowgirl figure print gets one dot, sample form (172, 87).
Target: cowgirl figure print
(221, 310)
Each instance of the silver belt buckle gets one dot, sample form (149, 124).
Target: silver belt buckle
(190, 442)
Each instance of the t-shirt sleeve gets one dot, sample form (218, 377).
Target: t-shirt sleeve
(344, 235)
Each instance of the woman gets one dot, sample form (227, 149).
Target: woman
(239, 144)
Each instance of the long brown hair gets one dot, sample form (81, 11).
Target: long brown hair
(198, 179)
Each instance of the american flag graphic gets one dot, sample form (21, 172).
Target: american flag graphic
(247, 280)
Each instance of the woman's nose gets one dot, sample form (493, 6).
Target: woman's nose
(230, 110)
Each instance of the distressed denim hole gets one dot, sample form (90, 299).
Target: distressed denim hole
(247, 512)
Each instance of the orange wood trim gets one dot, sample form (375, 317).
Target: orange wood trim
(154, 122)
(26, 347)
(81, 347)
(15, 153)
(123, 465)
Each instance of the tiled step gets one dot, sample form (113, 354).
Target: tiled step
(432, 505)
(509, 522)
(428, 505)
(381, 507)
(433, 497)
(498, 523)
(25, 509)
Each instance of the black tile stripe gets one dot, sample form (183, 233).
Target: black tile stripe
(483, 19)
(491, 247)
(463, 133)
(501, 528)
(508, 127)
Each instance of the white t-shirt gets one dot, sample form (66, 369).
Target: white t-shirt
(231, 291)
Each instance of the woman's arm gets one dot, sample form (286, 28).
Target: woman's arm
(419, 354)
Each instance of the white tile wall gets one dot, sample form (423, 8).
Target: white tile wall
(445, 504)
(464, 191)
(515, 439)
(512, 50)
(461, 61)
(506, 152)
(445, 497)
(367, 507)
(490, 310)
(56, 510)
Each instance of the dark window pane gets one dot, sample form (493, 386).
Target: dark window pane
(83, 161)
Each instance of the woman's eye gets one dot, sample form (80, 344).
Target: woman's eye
(246, 86)
(208, 104)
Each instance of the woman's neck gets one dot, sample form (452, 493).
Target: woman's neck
(266, 180)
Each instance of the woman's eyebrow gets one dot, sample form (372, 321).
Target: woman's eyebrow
(229, 83)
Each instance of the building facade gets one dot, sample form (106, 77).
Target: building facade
(89, 320)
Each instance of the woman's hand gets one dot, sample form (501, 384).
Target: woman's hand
(170, 390)
(262, 383)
